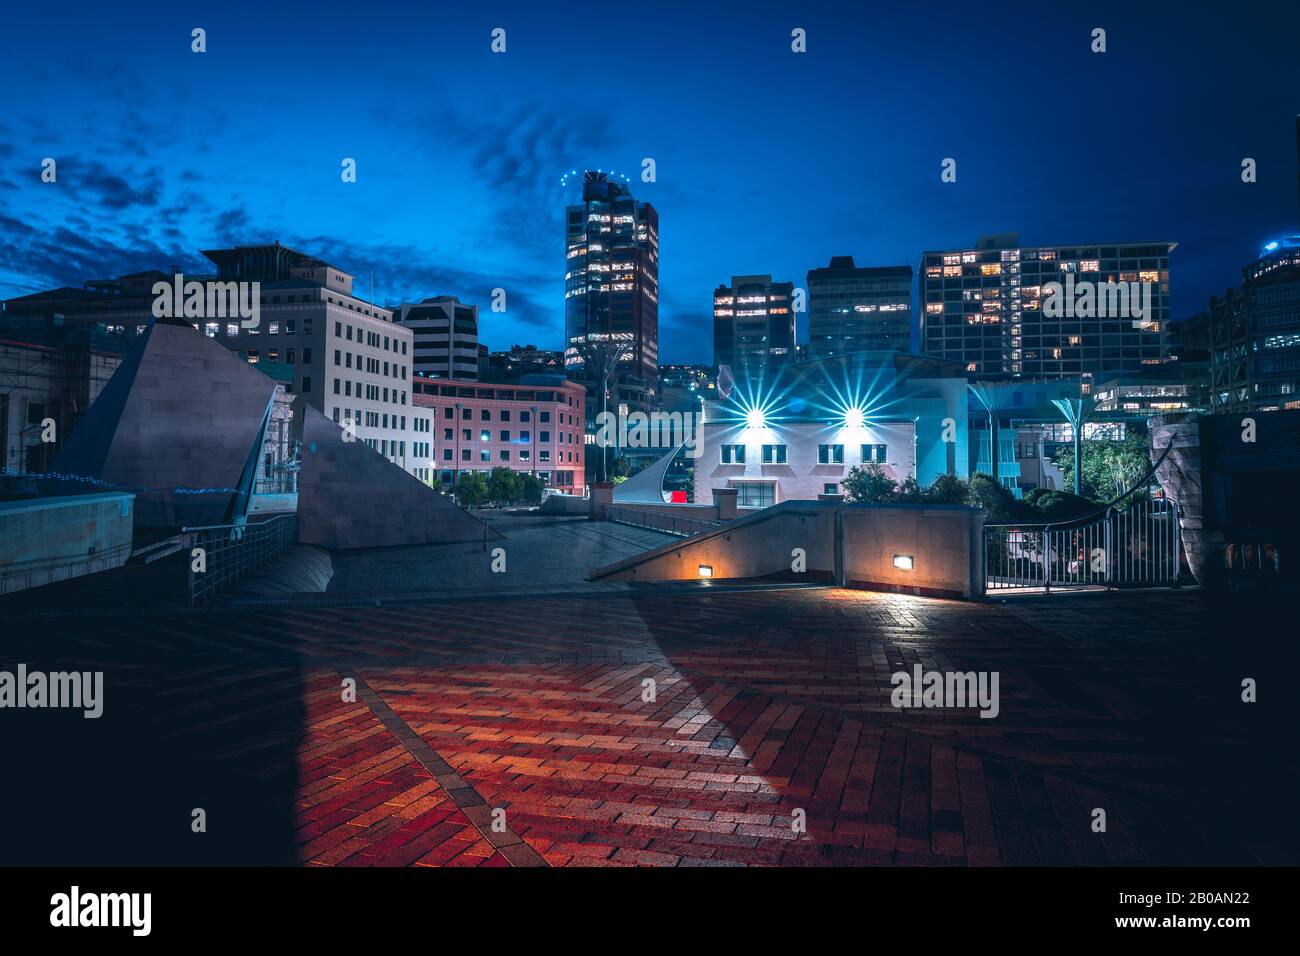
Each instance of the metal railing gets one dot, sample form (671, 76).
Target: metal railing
(231, 551)
(681, 525)
(1135, 546)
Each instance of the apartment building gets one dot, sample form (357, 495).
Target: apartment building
(988, 307)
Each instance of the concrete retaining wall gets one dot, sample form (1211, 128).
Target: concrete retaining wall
(565, 505)
(54, 539)
(945, 545)
(853, 545)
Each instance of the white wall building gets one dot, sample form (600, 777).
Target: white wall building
(770, 462)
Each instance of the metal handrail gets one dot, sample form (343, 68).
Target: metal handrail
(240, 549)
(653, 520)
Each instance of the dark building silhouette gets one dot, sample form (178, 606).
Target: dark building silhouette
(855, 308)
(753, 326)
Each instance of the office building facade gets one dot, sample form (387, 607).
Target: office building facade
(1254, 335)
(444, 334)
(534, 426)
(753, 327)
(611, 287)
(50, 375)
(858, 308)
(351, 361)
(1002, 309)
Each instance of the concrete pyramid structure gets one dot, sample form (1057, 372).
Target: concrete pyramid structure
(350, 496)
(181, 424)
(178, 424)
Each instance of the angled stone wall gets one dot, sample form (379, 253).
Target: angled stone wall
(350, 496)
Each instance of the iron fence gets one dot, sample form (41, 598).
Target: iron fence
(1135, 546)
(231, 551)
(681, 525)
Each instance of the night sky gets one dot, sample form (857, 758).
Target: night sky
(768, 161)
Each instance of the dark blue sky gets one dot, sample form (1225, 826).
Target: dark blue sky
(768, 161)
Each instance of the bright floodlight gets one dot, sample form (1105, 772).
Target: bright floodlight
(755, 418)
(854, 418)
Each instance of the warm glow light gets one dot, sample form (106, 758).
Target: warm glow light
(903, 562)
(755, 418)
(706, 570)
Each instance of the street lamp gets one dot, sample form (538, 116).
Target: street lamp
(1074, 412)
(455, 465)
(604, 356)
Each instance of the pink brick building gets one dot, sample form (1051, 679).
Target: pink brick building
(534, 425)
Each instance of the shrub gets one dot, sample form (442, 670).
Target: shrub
(948, 490)
(1058, 505)
(868, 484)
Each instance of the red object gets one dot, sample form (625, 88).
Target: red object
(679, 497)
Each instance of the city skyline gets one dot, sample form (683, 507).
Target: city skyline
(1102, 153)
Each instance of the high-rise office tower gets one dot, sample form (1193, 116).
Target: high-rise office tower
(611, 288)
(1003, 309)
(753, 326)
(859, 309)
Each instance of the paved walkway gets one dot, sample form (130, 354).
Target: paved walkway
(515, 731)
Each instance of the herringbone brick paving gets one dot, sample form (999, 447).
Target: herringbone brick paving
(769, 705)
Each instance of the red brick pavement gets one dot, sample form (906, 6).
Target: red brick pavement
(769, 704)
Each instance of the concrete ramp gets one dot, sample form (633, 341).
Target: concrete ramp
(934, 550)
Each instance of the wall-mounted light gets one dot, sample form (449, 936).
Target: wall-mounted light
(854, 418)
(903, 562)
(706, 570)
(755, 418)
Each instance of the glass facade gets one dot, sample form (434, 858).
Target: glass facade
(611, 276)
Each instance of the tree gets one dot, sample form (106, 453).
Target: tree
(530, 489)
(1109, 467)
(471, 490)
(503, 486)
(868, 484)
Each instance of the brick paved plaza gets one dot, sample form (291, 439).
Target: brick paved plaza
(769, 700)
